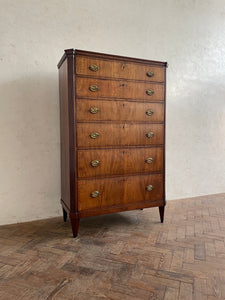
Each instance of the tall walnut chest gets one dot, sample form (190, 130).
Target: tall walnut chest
(112, 115)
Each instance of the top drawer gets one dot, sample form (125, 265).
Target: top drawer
(118, 69)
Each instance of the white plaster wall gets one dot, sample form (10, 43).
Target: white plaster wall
(189, 34)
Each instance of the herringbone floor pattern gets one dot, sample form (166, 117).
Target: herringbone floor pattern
(122, 256)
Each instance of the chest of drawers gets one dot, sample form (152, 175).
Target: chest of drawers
(112, 116)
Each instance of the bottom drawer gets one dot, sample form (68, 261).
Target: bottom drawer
(105, 192)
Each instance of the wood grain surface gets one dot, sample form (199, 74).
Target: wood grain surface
(118, 89)
(119, 111)
(119, 190)
(119, 161)
(119, 134)
(118, 69)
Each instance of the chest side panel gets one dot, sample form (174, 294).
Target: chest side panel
(64, 134)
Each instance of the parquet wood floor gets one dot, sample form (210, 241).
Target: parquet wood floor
(126, 256)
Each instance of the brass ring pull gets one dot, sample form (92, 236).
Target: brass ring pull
(93, 88)
(150, 74)
(95, 163)
(150, 134)
(149, 92)
(149, 112)
(95, 194)
(149, 160)
(93, 68)
(94, 135)
(94, 110)
(149, 187)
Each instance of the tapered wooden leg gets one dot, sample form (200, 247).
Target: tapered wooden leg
(64, 215)
(75, 225)
(161, 213)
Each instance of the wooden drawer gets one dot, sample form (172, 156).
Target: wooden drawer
(93, 163)
(118, 69)
(102, 110)
(118, 89)
(119, 190)
(119, 134)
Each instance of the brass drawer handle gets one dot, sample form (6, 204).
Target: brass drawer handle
(149, 160)
(149, 112)
(150, 134)
(149, 92)
(150, 74)
(93, 68)
(149, 187)
(94, 135)
(93, 88)
(94, 110)
(95, 194)
(95, 163)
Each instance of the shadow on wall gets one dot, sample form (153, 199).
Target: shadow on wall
(30, 144)
(195, 143)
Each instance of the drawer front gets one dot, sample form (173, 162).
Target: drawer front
(93, 163)
(100, 110)
(118, 69)
(100, 135)
(105, 192)
(95, 88)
